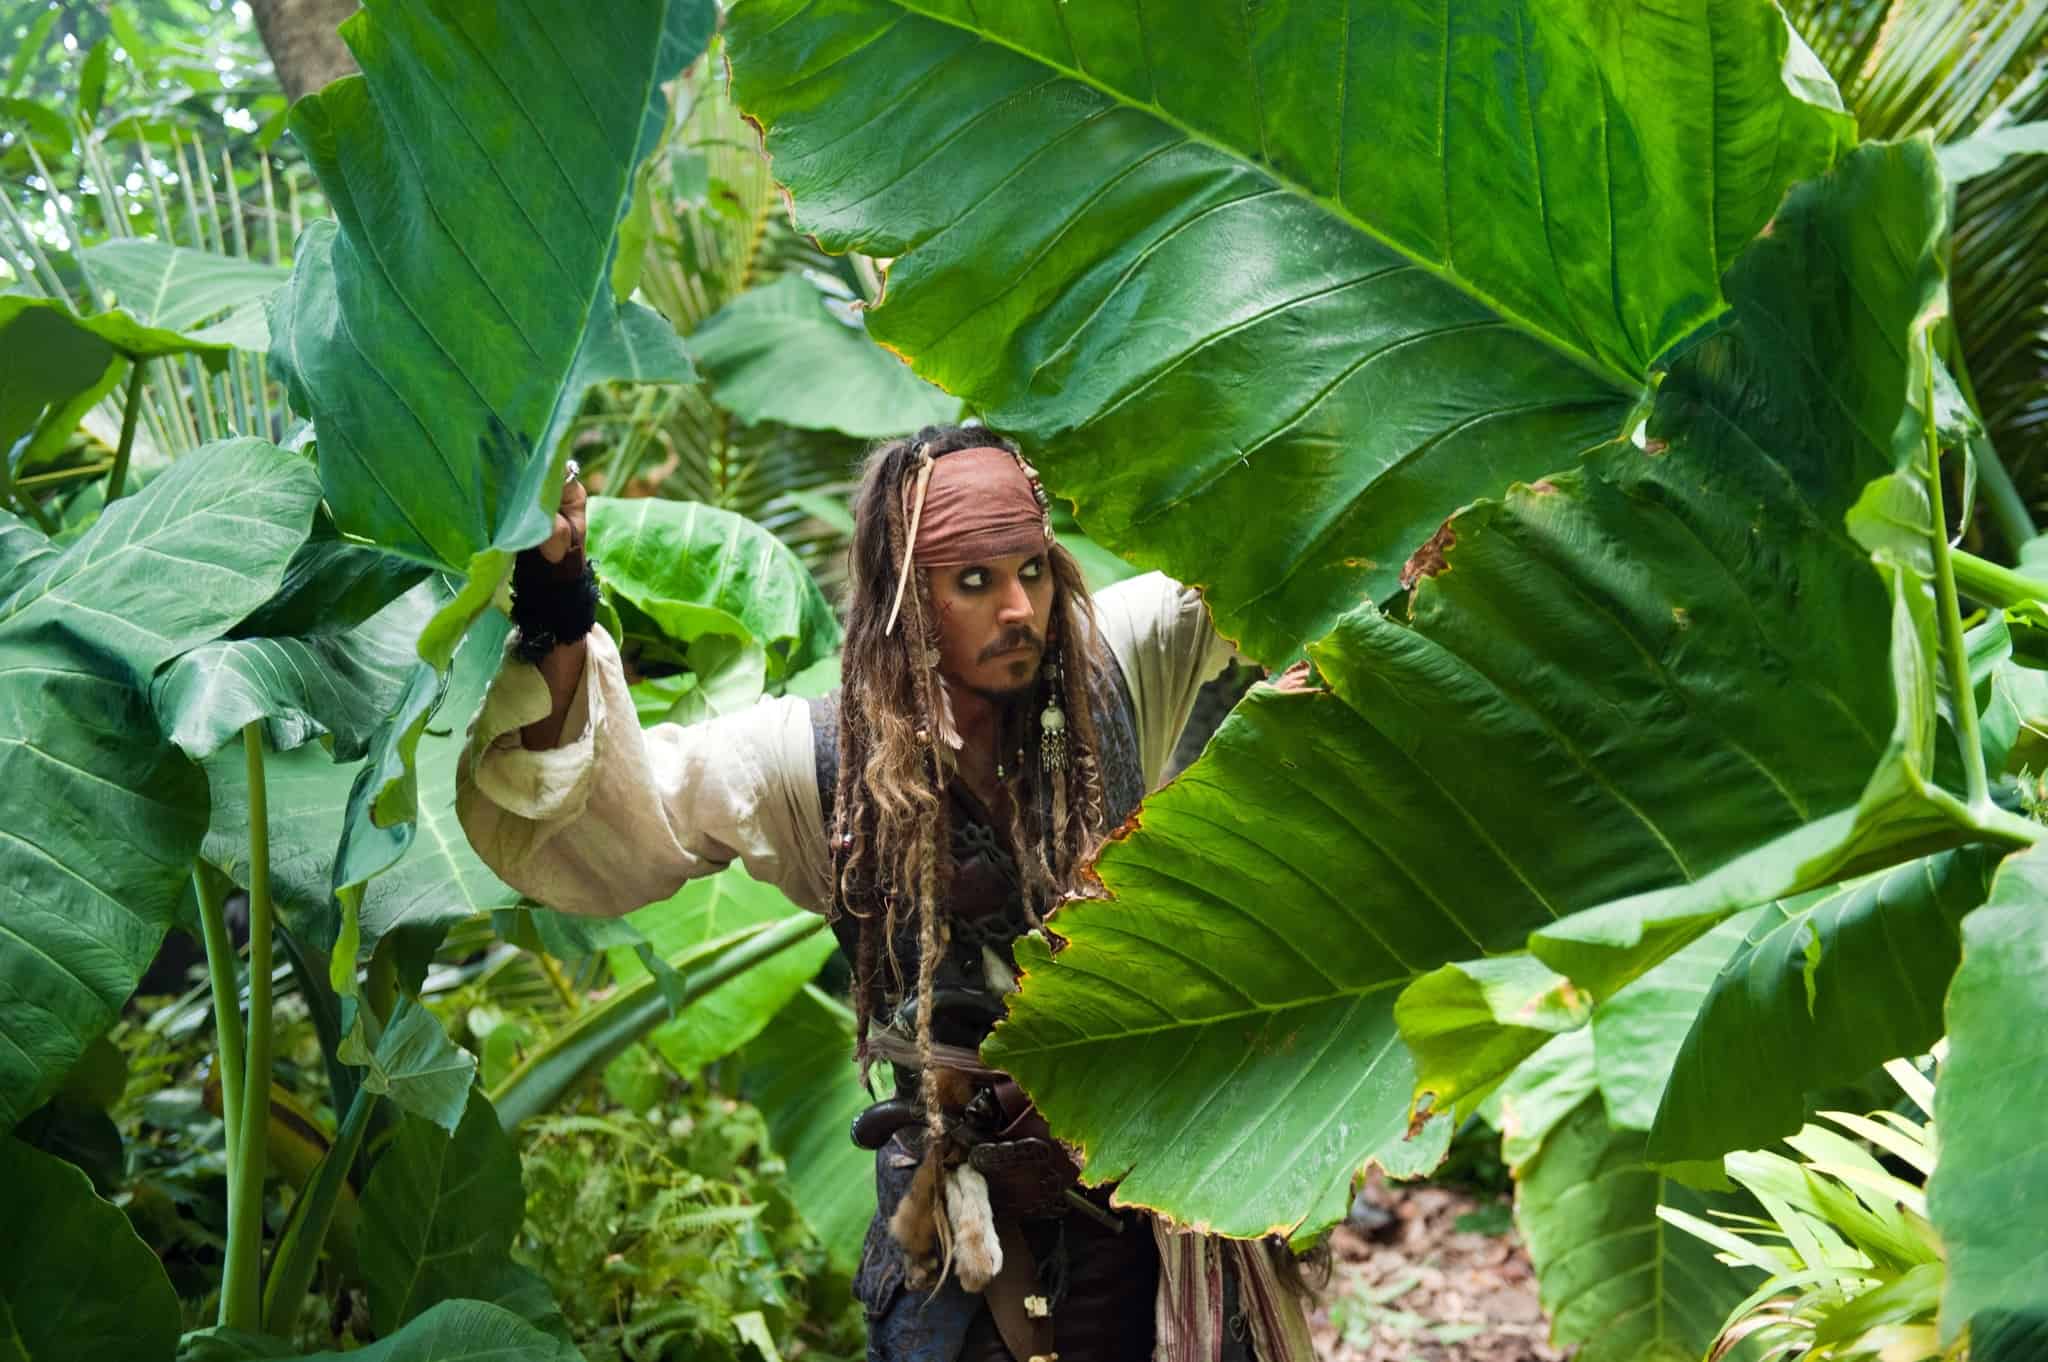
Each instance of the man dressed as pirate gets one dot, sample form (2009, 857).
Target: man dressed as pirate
(995, 722)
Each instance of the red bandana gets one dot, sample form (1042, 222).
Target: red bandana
(979, 505)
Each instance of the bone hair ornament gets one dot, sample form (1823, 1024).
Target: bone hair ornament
(947, 496)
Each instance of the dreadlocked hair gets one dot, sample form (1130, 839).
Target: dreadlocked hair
(891, 834)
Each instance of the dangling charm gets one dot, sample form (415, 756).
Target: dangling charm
(1052, 723)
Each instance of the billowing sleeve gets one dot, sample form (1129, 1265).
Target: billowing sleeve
(1160, 634)
(616, 817)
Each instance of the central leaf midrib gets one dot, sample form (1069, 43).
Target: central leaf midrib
(1186, 1024)
(1624, 382)
(600, 281)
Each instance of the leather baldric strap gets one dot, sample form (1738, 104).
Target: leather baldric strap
(1012, 1295)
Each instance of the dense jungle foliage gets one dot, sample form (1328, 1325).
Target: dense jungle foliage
(1643, 409)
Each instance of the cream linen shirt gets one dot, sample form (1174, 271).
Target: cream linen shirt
(618, 816)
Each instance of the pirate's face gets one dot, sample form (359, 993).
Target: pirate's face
(993, 617)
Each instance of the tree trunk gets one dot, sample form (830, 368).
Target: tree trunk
(303, 46)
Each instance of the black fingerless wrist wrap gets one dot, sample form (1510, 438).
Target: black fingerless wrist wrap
(549, 607)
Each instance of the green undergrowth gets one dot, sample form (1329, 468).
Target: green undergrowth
(674, 1235)
(656, 1207)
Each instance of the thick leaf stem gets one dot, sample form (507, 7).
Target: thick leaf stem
(212, 888)
(600, 1033)
(117, 481)
(1994, 583)
(41, 513)
(298, 1248)
(380, 980)
(571, 999)
(16, 495)
(2008, 508)
(38, 481)
(1954, 649)
(241, 1301)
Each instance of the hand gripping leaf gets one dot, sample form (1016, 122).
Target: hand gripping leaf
(1357, 264)
(442, 332)
(1665, 685)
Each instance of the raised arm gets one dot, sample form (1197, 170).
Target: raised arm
(570, 802)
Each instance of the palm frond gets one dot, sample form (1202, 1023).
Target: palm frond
(713, 202)
(182, 405)
(1954, 68)
(1840, 32)
(719, 227)
(2000, 301)
(1942, 66)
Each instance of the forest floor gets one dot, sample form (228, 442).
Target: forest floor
(1429, 1274)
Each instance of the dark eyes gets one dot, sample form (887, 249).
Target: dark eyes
(976, 578)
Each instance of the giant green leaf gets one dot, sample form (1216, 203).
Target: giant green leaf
(1984, 152)
(1988, 1197)
(2009, 1336)
(452, 1331)
(51, 370)
(1615, 696)
(25, 322)
(695, 570)
(1352, 263)
(1820, 374)
(178, 288)
(443, 329)
(332, 586)
(21, 544)
(420, 1069)
(439, 1215)
(414, 873)
(339, 684)
(1615, 1279)
(732, 1014)
(780, 353)
(100, 842)
(76, 1283)
(1542, 1092)
(464, 1331)
(1824, 989)
(1469, 1024)
(1637, 1033)
(800, 1073)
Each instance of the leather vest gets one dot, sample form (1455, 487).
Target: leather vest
(985, 904)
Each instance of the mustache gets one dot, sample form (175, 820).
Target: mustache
(1019, 637)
